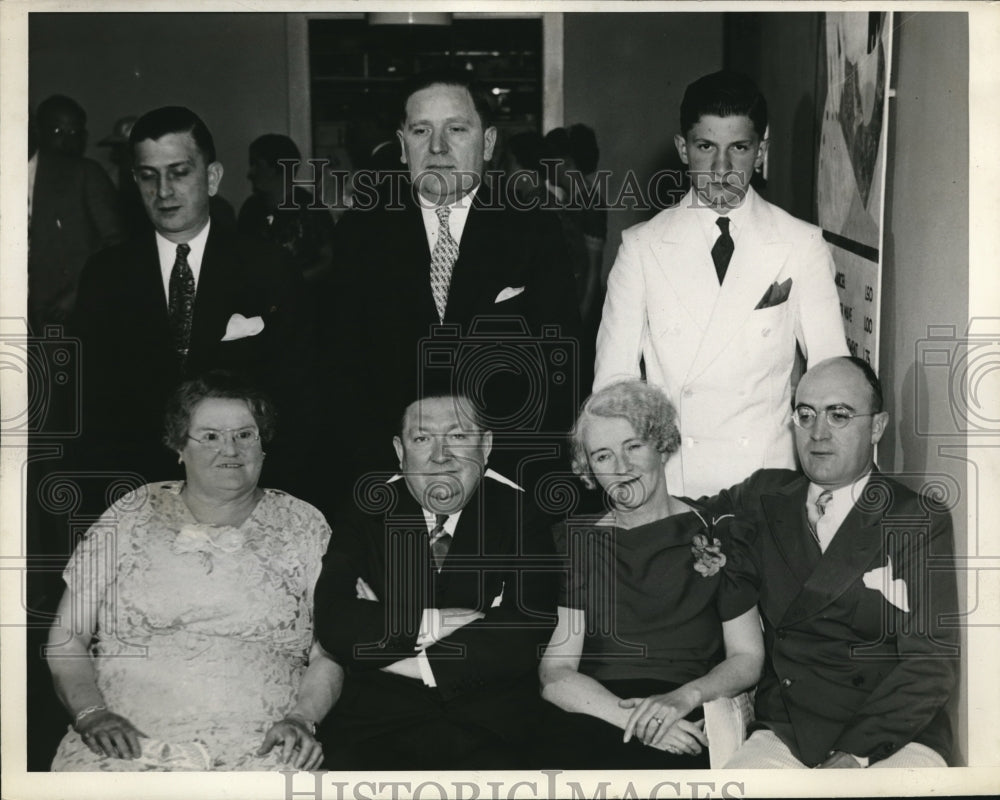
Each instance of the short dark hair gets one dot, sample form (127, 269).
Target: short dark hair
(583, 147)
(218, 384)
(57, 103)
(480, 99)
(478, 415)
(159, 122)
(274, 147)
(871, 378)
(724, 94)
(557, 144)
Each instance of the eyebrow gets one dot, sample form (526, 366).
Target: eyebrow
(848, 406)
(185, 162)
(448, 121)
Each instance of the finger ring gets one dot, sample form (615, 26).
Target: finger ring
(657, 720)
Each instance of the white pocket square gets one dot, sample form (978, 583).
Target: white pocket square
(239, 327)
(894, 590)
(509, 292)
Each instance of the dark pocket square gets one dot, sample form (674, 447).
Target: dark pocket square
(776, 294)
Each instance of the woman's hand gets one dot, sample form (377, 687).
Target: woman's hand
(652, 717)
(682, 737)
(111, 735)
(293, 732)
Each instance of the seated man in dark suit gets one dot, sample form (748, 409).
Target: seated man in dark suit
(446, 259)
(436, 595)
(184, 297)
(856, 584)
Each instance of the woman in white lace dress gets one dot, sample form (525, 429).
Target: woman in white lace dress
(184, 637)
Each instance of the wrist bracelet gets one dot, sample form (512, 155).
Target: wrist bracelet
(305, 720)
(89, 710)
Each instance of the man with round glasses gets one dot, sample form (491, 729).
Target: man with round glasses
(855, 579)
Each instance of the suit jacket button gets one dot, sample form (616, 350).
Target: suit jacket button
(786, 682)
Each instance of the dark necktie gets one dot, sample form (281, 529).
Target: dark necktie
(722, 250)
(440, 541)
(181, 301)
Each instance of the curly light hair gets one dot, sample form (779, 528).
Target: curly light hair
(217, 384)
(647, 410)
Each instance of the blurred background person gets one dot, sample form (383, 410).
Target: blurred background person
(278, 211)
(186, 626)
(72, 210)
(650, 627)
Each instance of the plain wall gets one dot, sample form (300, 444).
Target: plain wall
(624, 76)
(231, 69)
(925, 269)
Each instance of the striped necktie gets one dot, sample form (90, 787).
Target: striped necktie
(440, 541)
(443, 260)
(182, 292)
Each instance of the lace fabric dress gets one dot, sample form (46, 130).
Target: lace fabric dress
(203, 631)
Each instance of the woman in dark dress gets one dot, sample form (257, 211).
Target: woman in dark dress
(649, 627)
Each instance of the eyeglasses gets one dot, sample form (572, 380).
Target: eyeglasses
(836, 416)
(241, 437)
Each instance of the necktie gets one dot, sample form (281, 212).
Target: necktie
(815, 512)
(181, 301)
(722, 250)
(440, 541)
(442, 261)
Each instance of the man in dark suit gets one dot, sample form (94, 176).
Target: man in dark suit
(182, 298)
(436, 595)
(438, 273)
(856, 584)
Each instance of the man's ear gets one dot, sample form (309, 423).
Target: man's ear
(402, 146)
(682, 147)
(758, 162)
(880, 422)
(397, 445)
(489, 142)
(487, 445)
(214, 177)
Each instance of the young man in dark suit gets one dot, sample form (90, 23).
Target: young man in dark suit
(443, 260)
(182, 298)
(855, 576)
(436, 595)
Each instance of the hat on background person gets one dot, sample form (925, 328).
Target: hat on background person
(119, 133)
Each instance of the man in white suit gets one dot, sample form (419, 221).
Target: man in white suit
(714, 293)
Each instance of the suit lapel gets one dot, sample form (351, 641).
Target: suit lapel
(757, 259)
(783, 514)
(150, 297)
(216, 285)
(410, 260)
(684, 258)
(481, 238)
(849, 556)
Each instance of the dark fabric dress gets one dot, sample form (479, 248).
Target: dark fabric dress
(653, 623)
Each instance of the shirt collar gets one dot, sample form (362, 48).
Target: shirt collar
(167, 251)
(737, 216)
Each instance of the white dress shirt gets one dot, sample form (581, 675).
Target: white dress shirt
(841, 502)
(456, 220)
(167, 251)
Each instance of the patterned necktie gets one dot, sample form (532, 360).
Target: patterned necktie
(440, 541)
(722, 250)
(182, 293)
(815, 512)
(442, 261)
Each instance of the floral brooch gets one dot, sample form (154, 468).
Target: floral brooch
(708, 555)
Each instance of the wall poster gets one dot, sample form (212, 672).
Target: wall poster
(855, 59)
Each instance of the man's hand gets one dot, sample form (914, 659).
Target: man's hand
(293, 733)
(838, 759)
(108, 734)
(444, 622)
